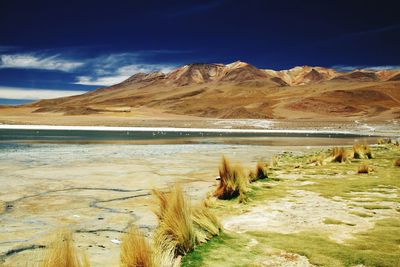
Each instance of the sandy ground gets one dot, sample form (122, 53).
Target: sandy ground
(292, 215)
(98, 190)
(145, 117)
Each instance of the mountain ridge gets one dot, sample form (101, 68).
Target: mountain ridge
(240, 90)
(198, 73)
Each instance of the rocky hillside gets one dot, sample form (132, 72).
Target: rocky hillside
(240, 90)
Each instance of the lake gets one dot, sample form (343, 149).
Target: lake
(97, 182)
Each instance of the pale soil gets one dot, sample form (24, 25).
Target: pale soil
(285, 259)
(302, 211)
(146, 117)
(98, 190)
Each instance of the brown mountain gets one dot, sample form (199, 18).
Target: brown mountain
(240, 90)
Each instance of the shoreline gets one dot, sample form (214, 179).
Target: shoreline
(177, 129)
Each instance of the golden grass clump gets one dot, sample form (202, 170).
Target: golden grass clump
(339, 154)
(205, 222)
(318, 160)
(261, 172)
(135, 251)
(232, 181)
(180, 227)
(361, 151)
(380, 141)
(62, 252)
(363, 168)
(175, 233)
(383, 141)
(397, 163)
(274, 161)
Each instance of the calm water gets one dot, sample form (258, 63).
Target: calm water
(145, 137)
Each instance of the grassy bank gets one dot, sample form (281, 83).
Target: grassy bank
(370, 208)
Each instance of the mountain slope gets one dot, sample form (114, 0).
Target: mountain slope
(240, 90)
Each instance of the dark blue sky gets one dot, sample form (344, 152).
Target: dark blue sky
(81, 45)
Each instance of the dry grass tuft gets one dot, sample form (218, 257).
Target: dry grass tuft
(363, 168)
(339, 154)
(205, 222)
(318, 160)
(180, 227)
(62, 252)
(135, 251)
(361, 151)
(274, 161)
(397, 163)
(380, 141)
(383, 141)
(232, 182)
(261, 172)
(175, 232)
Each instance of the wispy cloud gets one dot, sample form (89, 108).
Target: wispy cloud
(100, 70)
(32, 61)
(34, 94)
(376, 68)
(115, 68)
(376, 30)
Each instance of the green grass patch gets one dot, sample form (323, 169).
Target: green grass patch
(385, 176)
(224, 250)
(376, 207)
(379, 246)
(334, 221)
(376, 247)
(360, 214)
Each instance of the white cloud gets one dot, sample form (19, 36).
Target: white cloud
(31, 61)
(101, 81)
(102, 70)
(376, 68)
(120, 74)
(34, 94)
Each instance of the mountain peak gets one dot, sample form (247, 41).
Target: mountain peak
(237, 64)
(239, 72)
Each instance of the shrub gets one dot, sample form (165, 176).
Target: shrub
(205, 222)
(135, 251)
(397, 163)
(361, 151)
(175, 232)
(339, 154)
(62, 252)
(232, 181)
(318, 160)
(363, 168)
(367, 152)
(382, 141)
(261, 172)
(180, 227)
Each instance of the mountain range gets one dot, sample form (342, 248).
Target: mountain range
(240, 90)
